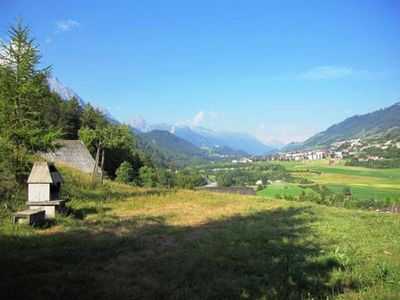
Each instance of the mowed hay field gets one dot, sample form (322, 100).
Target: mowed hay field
(122, 242)
(366, 183)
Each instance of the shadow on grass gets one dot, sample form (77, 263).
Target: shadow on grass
(270, 254)
(82, 213)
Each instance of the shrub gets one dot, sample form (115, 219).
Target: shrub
(125, 173)
(147, 176)
(189, 179)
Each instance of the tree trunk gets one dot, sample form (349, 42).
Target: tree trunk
(96, 165)
(102, 166)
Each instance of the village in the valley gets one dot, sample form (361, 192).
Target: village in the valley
(335, 152)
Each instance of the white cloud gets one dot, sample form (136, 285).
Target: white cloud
(327, 72)
(68, 25)
(198, 118)
(48, 40)
(261, 126)
(204, 116)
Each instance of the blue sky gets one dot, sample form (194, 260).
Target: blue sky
(281, 70)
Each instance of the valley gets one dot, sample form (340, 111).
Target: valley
(364, 187)
(266, 170)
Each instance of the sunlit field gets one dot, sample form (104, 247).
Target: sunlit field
(366, 183)
(126, 242)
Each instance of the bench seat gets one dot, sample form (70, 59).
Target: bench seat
(30, 216)
(51, 207)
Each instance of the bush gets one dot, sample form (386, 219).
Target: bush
(125, 173)
(165, 178)
(147, 176)
(189, 179)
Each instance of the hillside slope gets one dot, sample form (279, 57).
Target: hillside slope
(173, 143)
(122, 242)
(170, 150)
(383, 123)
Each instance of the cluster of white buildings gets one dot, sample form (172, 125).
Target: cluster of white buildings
(242, 160)
(309, 155)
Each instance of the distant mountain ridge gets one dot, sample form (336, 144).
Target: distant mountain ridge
(170, 142)
(217, 142)
(206, 138)
(383, 123)
(66, 93)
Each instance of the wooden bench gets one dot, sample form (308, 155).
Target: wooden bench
(30, 216)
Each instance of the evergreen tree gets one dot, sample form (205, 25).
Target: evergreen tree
(23, 93)
(70, 118)
(92, 117)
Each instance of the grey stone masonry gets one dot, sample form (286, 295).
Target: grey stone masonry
(30, 216)
(51, 208)
(72, 153)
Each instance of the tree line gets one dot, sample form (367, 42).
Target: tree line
(33, 118)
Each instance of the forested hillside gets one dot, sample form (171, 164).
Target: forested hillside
(381, 124)
(177, 150)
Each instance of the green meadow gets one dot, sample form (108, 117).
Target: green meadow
(365, 183)
(124, 242)
(283, 189)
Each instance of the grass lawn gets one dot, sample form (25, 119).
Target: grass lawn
(123, 242)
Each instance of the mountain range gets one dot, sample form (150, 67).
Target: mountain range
(381, 124)
(234, 143)
(207, 138)
(165, 141)
(177, 146)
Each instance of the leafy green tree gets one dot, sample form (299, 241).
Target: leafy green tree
(23, 94)
(165, 178)
(186, 179)
(125, 173)
(147, 176)
(105, 137)
(225, 179)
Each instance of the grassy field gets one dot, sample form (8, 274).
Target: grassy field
(122, 242)
(281, 189)
(379, 184)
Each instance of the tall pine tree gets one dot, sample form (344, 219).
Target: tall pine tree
(23, 92)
